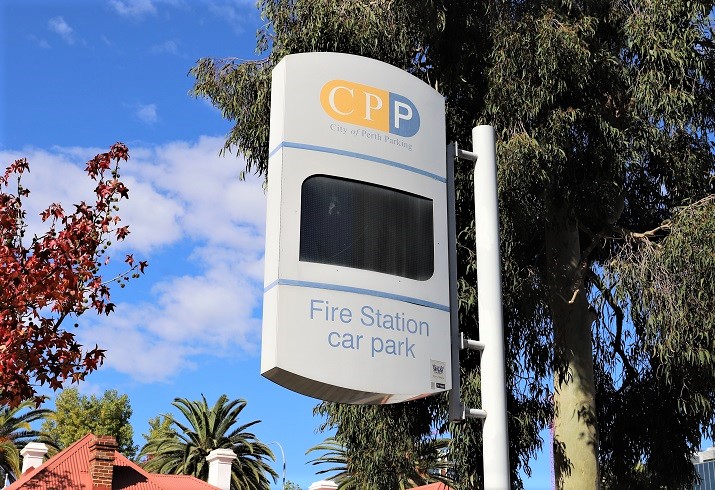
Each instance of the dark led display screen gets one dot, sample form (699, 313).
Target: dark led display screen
(365, 226)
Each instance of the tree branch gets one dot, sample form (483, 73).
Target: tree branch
(631, 372)
(580, 272)
(665, 226)
(646, 235)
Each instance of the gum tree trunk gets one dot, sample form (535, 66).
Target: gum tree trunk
(575, 429)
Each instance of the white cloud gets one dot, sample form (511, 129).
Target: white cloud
(147, 113)
(153, 218)
(136, 9)
(53, 177)
(134, 351)
(234, 12)
(59, 176)
(170, 47)
(219, 207)
(61, 28)
(183, 196)
(211, 313)
(42, 43)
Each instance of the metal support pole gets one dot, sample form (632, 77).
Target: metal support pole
(476, 413)
(466, 343)
(456, 409)
(491, 328)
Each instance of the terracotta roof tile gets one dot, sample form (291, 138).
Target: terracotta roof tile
(69, 470)
(183, 482)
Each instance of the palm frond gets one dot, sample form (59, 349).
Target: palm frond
(205, 429)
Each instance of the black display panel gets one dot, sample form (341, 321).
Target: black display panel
(365, 226)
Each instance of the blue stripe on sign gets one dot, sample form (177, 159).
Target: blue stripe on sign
(275, 150)
(349, 289)
(362, 156)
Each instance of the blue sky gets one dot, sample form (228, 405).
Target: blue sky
(76, 76)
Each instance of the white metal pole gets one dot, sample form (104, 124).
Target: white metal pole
(491, 328)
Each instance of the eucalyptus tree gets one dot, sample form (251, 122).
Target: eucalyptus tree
(181, 448)
(15, 432)
(605, 114)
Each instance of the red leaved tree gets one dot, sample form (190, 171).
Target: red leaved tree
(51, 279)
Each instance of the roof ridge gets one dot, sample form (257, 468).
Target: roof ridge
(131, 464)
(51, 462)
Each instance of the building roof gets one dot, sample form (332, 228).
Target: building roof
(69, 470)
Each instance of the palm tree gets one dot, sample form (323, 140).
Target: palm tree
(428, 463)
(334, 454)
(15, 432)
(184, 451)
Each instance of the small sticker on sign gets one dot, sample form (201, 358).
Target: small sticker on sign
(438, 374)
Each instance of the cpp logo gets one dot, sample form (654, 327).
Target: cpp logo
(371, 107)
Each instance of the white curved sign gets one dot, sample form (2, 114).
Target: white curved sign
(356, 301)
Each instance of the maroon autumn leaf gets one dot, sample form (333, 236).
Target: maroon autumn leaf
(53, 278)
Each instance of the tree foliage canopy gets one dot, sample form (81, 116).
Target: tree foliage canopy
(160, 427)
(54, 277)
(179, 448)
(605, 116)
(77, 415)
